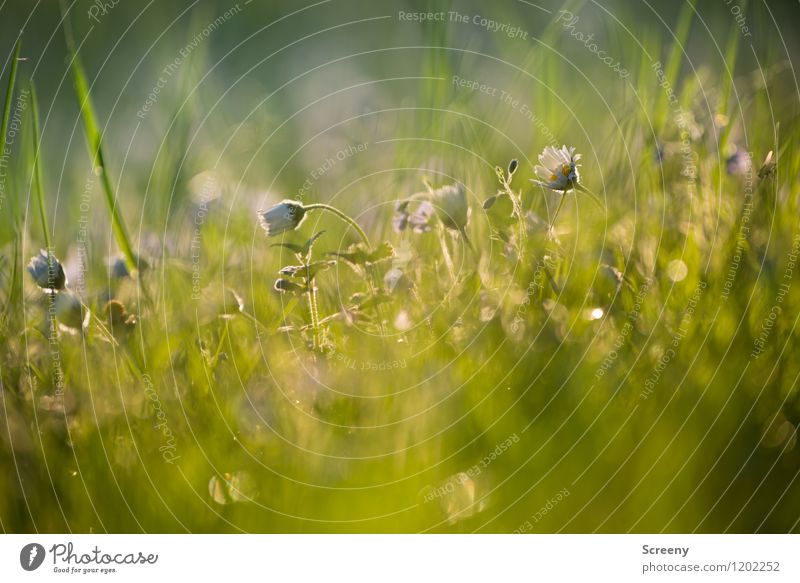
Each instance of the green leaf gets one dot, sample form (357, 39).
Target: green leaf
(382, 252)
(302, 251)
(500, 210)
(307, 271)
(362, 301)
(285, 285)
(358, 254)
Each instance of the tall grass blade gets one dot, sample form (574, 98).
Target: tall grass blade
(727, 109)
(36, 177)
(674, 60)
(12, 77)
(15, 268)
(94, 139)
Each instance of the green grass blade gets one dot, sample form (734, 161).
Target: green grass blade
(725, 107)
(4, 125)
(679, 46)
(94, 141)
(674, 60)
(15, 271)
(10, 89)
(36, 177)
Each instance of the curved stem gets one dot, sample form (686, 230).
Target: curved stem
(343, 216)
(558, 210)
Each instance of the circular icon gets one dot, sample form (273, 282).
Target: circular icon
(31, 556)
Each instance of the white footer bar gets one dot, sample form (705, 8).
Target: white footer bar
(406, 558)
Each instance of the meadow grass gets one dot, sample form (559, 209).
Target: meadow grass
(638, 356)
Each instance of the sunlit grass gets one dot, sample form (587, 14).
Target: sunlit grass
(510, 343)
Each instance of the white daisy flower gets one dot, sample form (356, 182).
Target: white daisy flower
(284, 216)
(559, 168)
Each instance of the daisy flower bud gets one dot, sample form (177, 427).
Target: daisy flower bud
(47, 272)
(558, 169)
(284, 216)
(767, 169)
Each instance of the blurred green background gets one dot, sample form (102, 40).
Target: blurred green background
(602, 378)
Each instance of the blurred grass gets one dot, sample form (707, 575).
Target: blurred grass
(322, 442)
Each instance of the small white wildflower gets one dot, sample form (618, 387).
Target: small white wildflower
(47, 272)
(284, 216)
(558, 168)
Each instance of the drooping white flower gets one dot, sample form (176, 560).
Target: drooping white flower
(47, 272)
(284, 216)
(558, 169)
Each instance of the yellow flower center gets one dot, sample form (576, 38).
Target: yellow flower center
(565, 169)
(553, 177)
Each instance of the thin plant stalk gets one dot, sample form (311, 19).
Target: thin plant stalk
(312, 305)
(558, 210)
(517, 203)
(446, 253)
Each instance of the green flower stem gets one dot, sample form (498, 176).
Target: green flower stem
(312, 306)
(558, 210)
(344, 217)
(312, 296)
